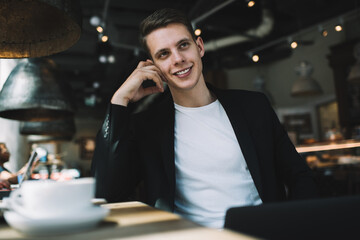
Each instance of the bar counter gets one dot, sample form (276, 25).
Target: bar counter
(136, 220)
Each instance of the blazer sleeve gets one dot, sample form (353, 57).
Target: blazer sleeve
(115, 164)
(293, 169)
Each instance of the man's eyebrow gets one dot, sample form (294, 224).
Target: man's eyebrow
(177, 44)
(182, 40)
(159, 51)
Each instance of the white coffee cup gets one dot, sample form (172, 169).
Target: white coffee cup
(51, 199)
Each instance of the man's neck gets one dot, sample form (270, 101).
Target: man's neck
(199, 96)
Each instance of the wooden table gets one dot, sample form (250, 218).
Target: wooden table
(135, 220)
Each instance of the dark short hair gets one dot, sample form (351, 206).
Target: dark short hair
(161, 18)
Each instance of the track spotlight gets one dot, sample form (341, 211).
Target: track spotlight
(251, 3)
(104, 38)
(254, 57)
(197, 32)
(100, 29)
(323, 31)
(293, 43)
(339, 26)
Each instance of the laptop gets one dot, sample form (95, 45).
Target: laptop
(25, 176)
(327, 218)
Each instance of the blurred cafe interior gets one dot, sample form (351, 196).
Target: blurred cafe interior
(304, 55)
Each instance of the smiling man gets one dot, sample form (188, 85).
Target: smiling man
(201, 150)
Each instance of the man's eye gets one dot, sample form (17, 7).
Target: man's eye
(183, 45)
(163, 54)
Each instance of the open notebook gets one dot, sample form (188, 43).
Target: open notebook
(25, 176)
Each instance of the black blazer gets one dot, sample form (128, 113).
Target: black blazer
(134, 147)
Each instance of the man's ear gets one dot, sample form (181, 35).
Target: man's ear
(200, 44)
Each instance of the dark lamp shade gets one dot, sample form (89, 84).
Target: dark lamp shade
(59, 128)
(33, 92)
(36, 28)
(50, 131)
(305, 86)
(47, 139)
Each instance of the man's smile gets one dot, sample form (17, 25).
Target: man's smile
(183, 73)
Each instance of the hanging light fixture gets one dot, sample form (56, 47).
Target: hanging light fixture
(305, 85)
(47, 138)
(32, 92)
(38, 28)
(354, 75)
(58, 129)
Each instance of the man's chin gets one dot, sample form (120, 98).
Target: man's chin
(182, 87)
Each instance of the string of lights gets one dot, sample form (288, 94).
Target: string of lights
(250, 3)
(100, 23)
(255, 53)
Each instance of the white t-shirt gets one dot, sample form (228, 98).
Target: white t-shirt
(211, 172)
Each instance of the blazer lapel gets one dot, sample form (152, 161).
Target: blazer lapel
(167, 140)
(241, 129)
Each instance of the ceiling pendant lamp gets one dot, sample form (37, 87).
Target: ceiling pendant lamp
(354, 75)
(34, 92)
(63, 129)
(47, 138)
(36, 28)
(305, 85)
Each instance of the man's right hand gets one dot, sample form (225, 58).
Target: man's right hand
(132, 89)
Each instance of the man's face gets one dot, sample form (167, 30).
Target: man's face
(177, 55)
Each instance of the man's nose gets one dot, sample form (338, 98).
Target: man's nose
(178, 57)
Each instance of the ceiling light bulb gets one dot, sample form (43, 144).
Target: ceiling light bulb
(255, 58)
(96, 84)
(104, 38)
(99, 29)
(294, 44)
(338, 28)
(251, 3)
(111, 59)
(324, 33)
(95, 21)
(197, 32)
(102, 59)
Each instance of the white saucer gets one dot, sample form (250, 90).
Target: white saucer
(76, 222)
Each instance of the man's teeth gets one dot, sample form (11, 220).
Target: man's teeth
(183, 72)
